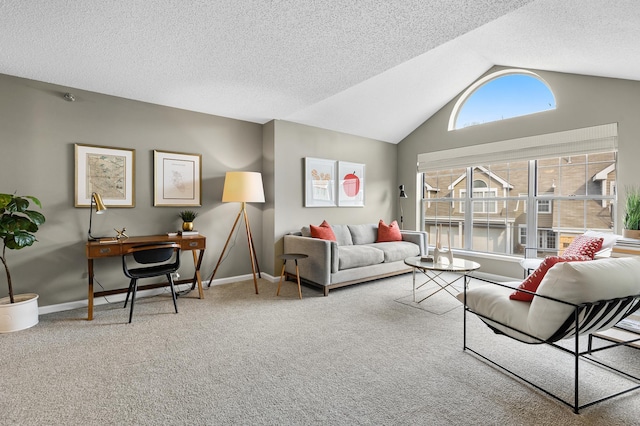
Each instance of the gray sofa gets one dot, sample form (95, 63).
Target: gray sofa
(355, 257)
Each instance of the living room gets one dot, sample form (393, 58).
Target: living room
(275, 149)
(40, 129)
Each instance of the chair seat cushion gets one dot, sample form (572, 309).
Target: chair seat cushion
(152, 271)
(493, 301)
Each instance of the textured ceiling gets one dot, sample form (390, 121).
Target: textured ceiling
(371, 68)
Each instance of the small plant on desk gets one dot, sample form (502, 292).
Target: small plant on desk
(187, 216)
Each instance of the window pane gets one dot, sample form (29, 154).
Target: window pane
(442, 213)
(498, 232)
(508, 179)
(573, 195)
(506, 96)
(581, 215)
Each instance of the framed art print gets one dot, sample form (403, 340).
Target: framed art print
(320, 182)
(350, 184)
(177, 179)
(107, 171)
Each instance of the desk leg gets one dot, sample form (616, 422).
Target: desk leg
(90, 295)
(197, 262)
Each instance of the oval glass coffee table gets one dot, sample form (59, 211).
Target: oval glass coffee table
(434, 270)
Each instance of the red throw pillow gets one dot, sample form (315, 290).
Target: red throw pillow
(324, 231)
(389, 232)
(584, 246)
(532, 282)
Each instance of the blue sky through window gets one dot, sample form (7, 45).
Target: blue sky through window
(508, 96)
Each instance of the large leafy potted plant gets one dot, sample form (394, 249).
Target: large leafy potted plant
(631, 223)
(17, 226)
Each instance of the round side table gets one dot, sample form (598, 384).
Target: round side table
(294, 257)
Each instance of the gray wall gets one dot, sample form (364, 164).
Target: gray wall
(39, 129)
(582, 101)
(294, 142)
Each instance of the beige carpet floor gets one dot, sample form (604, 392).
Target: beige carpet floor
(364, 355)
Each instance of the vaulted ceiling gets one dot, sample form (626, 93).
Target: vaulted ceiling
(372, 68)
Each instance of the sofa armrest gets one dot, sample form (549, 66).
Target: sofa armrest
(420, 238)
(322, 257)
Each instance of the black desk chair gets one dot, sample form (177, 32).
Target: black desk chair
(160, 256)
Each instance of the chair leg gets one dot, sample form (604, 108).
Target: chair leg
(134, 282)
(173, 292)
(128, 293)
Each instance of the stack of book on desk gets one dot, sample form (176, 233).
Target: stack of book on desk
(626, 247)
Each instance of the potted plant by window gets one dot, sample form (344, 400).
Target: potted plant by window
(632, 213)
(17, 226)
(187, 216)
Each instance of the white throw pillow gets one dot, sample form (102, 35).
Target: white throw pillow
(608, 239)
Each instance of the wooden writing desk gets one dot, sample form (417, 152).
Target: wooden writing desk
(113, 247)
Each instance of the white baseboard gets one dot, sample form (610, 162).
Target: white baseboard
(67, 306)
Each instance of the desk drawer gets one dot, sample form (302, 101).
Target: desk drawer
(195, 244)
(104, 250)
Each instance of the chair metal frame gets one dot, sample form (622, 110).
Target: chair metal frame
(586, 318)
(157, 254)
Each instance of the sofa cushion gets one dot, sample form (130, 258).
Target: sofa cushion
(389, 232)
(356, 256)
(324, 231)
(364, 234)
(343, 235)
(398, 250)
(581, 282)
(584, 246)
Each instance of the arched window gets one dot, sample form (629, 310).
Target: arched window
(501, 95)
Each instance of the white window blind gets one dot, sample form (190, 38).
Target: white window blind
(587, 140)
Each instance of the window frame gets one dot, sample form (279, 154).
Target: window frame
(541, 234)
(460, 103)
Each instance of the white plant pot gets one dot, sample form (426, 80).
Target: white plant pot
(19, 315)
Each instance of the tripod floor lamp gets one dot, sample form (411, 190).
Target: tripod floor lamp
(242, 187)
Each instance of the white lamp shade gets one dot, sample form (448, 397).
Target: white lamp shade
(243, 187)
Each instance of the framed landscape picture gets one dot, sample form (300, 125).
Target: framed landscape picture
(177, 179)
(350, 184)
(320, 182)
(107, 171)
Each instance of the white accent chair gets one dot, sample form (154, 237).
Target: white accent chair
(574, 299)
